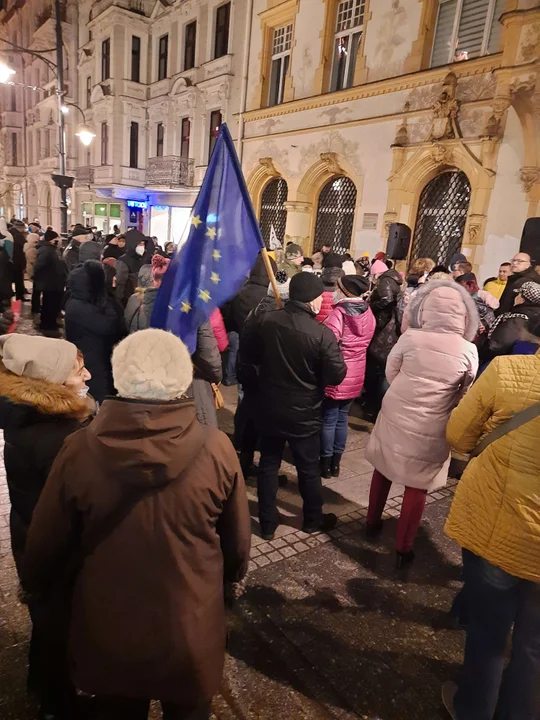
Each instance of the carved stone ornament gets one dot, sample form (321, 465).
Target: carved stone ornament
(476, 223)
(445, 111)
(402, 135)
(530, 176)
(330, 159)
(493, 127)
(441, 154)
(268, 164)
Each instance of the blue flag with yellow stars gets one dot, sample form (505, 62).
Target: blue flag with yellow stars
(223, 242)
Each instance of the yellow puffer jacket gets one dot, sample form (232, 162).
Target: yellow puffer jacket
(496, 510)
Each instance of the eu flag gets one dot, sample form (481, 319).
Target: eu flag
(223, 242)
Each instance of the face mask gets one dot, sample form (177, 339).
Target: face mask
(336, 296)
(139, 250)
(83, 392)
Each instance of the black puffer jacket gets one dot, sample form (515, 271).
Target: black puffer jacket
(50, 271)
(19, 258)
(36, 417)
(128, 266)
(509, 330)
(250, 295)
(95, 324)
(6, 275)
(384, 305)
(297, 358)
(513, 284)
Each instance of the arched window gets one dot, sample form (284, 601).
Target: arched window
(442, 214)
(273, 213)
(335, 215)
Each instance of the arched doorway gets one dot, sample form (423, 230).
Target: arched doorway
(273, 213)
(335, 215)
(441, 218)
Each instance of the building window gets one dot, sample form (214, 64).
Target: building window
(135, 58)
(273, 218)
(47, 144)
(14, 154)
(223, 18)
(190, 40)
(466, 29)
(38, 147)
(281, 57)
(335, 215)
(106, 59)
(30, 148)
(13, 98)
(184, 139)
(163, 57)
(349, 29)
(160, 136)
(104, 143)
(134, 145)
(215, 124)
(88, 92)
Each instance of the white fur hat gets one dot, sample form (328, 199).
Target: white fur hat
(152, 365)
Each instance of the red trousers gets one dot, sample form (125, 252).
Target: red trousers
(412, 509)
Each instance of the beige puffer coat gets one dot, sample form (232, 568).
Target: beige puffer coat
(30, 250)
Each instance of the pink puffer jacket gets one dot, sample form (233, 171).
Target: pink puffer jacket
(326, 307)
(218, 328)
(353, 324)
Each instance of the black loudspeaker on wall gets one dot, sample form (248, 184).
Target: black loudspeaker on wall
(399, 239)
(530, 239)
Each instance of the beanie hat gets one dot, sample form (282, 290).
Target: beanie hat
(380, 256)
(531, 292)
(152, 365)
(38, 357)
(80, 230)
(159, 267)
(308, 262)
(349, 268)
(283, 282)
(305, 287)
(144, 279)
(378, 268)
(293, 251)
(50, 235)
(456, 259)
(353, 285)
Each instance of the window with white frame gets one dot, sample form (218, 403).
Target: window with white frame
(281, 57)
(349, 29)
(466, 29)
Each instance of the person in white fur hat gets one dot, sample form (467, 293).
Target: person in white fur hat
(161, 503)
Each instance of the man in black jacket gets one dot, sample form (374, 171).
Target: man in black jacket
(296, 357)
(522, 272)
(18, 231)
(129, 264)
(251, 294)
(50, 274)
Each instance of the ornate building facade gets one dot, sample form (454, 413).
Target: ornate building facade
(425, 112)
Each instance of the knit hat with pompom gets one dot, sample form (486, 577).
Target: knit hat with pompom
(152, 365)
(159, 267)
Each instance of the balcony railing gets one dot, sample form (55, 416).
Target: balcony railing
(84, 175)
(170, 171)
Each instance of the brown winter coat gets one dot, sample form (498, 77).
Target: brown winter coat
(148, 616)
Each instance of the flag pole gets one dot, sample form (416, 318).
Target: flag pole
(270, 271)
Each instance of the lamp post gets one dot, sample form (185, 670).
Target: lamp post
(85, 135)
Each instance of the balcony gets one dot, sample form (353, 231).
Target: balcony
(170, 171)
(84, 175)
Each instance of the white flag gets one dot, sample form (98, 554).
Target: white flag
(274, 243)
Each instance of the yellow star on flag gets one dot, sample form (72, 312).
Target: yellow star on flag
(214, 277)
(204, 295)
(216, 255)
(186, 307)
(196, 221)
(211, 233)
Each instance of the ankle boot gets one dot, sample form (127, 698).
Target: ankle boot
(334, 467)
(326, 465)
(404, 559)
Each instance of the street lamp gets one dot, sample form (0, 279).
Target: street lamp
(85, 135)
(5, 73)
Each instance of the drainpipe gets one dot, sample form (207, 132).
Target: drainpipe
(245, 69)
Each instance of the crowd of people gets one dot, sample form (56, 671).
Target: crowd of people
(120, 480)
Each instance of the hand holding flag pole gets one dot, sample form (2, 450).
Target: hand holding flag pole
(220, 251)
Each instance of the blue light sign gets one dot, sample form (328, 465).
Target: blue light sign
(136, 204)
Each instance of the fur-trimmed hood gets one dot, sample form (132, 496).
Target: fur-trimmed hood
(87, 282)
(39, 395)
(444, 306)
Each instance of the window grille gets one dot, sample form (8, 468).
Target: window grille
(335, 215)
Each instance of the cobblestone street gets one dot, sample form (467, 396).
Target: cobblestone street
(326, 629)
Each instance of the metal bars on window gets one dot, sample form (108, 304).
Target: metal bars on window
(442, 214)
(335, 215)
(273, 212)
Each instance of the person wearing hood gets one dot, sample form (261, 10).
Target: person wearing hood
(50, 275)
(18, 231)
(330, 275)
(115, 248)
(140, 306)
(296, 358)
(129, 264)
(251, 294)
(79, 237)
(294, 257)
(42, 401)
(30, 250)
(162, 502)
(94, 323)
(429, 370)
(352, 322)
(522, 271)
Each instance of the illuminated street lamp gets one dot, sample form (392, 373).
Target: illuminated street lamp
(85, 135)
(5, 73)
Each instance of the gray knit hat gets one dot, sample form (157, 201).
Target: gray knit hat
(38, 357)
(152, 365)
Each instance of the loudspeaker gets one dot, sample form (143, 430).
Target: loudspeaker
(399, 239)
(530, 239)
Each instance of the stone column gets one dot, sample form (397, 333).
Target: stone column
(299, 224)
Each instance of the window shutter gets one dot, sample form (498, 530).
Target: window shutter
(443, 33)
(494, 44)
(472, 26)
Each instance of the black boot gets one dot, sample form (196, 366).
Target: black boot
(372, 530)
(336, 462)
(328, 522)
(326, 467)
(403, 559)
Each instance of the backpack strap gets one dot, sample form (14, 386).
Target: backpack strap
(507, 427)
